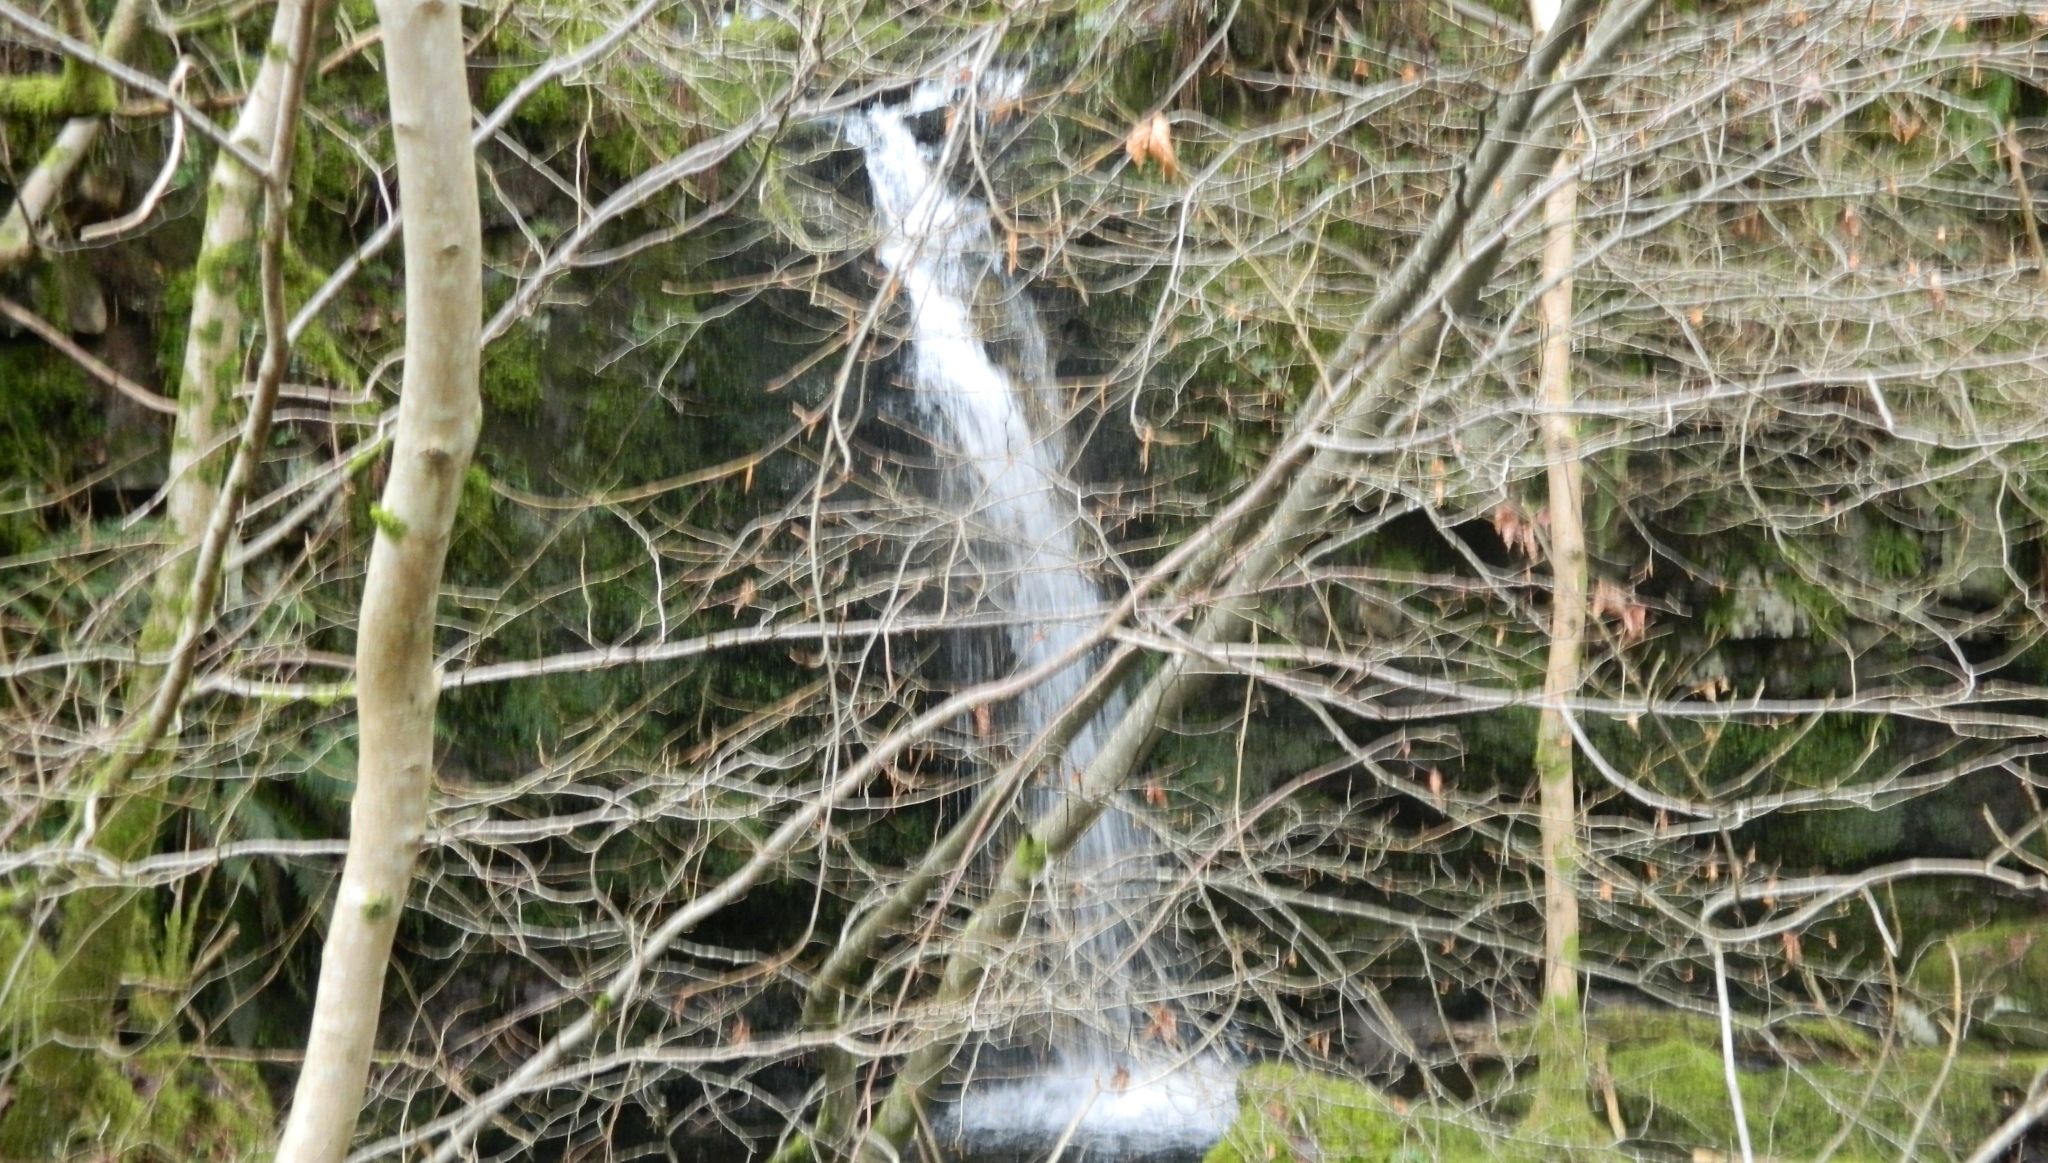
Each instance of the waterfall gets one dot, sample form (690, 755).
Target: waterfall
(1116, 1072)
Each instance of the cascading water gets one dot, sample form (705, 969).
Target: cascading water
(1115, 1078)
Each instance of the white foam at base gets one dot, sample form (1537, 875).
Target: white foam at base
(1187, 1105)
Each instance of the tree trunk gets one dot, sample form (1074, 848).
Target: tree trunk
(396, 686)
(55, 1082)
(1565, 1080)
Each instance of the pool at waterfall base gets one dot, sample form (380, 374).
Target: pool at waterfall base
(1103, 1111)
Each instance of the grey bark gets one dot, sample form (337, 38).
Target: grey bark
(396, 686)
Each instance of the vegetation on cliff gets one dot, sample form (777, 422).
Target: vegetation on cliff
(1683, 635)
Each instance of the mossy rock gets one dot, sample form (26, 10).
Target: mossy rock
(1675, 1091)
(2004, 981)
(1625, 1027)
(163, 1103)
(160, 1101)
(1289, 1115)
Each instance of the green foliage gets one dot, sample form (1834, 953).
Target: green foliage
(1894, 553)
(514, 376)
(151, 1101)
(49, 414)
(1974, 125)
(1500, 746)
(1822, 606)
(1845, 836)
(1239, 759)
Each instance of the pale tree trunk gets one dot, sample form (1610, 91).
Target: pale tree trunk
(54, 1083)
(396, 686)
(1563, 1084)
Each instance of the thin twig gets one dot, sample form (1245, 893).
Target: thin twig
(100, 231)
(1728, 1073)
(53, 335)
(2016, 1124)
(2016, 161)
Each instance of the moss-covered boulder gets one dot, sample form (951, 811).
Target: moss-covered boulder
(159, 1100)
(1290, 1115)
(2003, 986)
(1878, 1104)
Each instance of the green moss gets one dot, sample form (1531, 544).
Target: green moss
(40, 96)
(2004, 981)
(552, 106)
(761, 33)
(158, 1101)
(1561, 1105)
(1676, 1091)
(514, 381)
(388, 523)
(478, 502)
(163, 1103)
(226, 269)
(49, 416)
(75, 92)
(377, 908)
(1286, 1115)
(1031, 857)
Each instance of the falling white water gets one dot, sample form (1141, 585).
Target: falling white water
(1115, 1079)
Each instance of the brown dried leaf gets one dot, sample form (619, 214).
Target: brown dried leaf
(1517, 531)
(1610, 600)
(1151, 139)
(1162, 146)
(1164, 1027)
